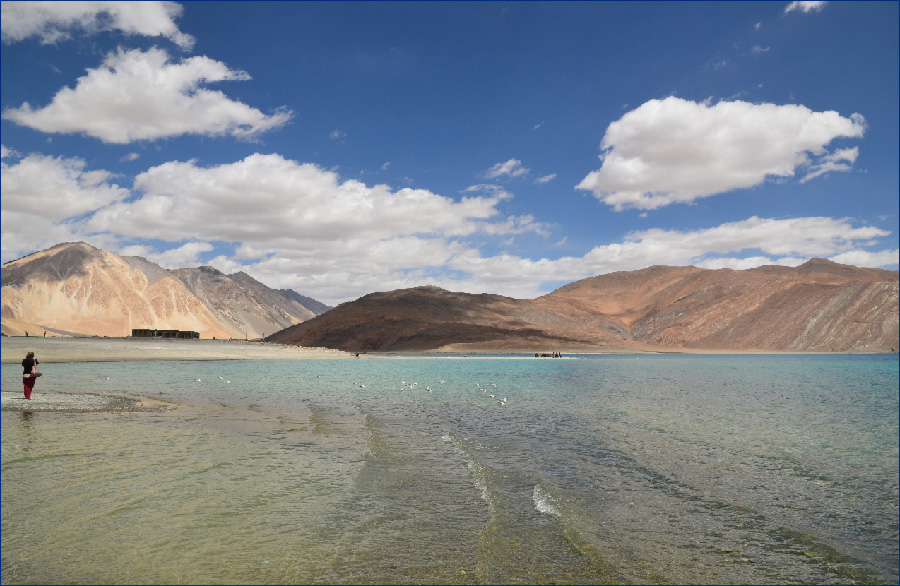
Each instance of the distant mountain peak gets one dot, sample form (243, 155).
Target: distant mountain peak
(822, 263)
(210, 270)
(430, 289)
(76, 288)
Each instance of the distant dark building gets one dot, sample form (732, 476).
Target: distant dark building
(146, 333)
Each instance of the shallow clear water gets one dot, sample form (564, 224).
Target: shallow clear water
(660, 469)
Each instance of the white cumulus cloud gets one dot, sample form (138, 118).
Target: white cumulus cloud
(55, 21)
(676, 151)
(55, 188)
(267, 197)
(866, 258)
(300, 225)
(184, 256)
(805, 6)
(511, 168)
(43, 197)
(738, 245)
(141, 95)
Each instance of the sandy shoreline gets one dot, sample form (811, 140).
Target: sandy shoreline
(51, 350)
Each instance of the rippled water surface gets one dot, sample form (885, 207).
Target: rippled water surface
(650, 469)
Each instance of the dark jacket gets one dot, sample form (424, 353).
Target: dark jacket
(27, 364)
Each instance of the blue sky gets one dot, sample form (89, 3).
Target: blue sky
(341, 148)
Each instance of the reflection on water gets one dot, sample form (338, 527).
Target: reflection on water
(663, 469)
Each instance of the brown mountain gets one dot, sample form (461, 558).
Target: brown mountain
(425, 318)
(76, 289)
(818, 306)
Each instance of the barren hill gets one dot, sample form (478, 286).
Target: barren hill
(424, 318)
(76, 289)
(818, 306)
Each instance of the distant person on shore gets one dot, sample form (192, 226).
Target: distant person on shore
(28, 379)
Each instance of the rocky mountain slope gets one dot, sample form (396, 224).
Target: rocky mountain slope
(308, 302)
(76, 289)
(818, 306)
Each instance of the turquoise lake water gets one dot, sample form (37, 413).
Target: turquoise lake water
(602, 469)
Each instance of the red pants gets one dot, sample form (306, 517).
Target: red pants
(28, 382)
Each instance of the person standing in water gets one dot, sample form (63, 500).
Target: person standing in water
(27, 379)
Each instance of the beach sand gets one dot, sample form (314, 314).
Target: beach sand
(49, 350)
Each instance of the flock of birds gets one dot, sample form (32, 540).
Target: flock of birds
(414, 386)
(407, 387)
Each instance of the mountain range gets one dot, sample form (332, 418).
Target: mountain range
(76, 289)
(820, 306)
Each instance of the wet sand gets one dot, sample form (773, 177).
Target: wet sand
(78, 402)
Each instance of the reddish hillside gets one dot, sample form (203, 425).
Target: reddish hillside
(818, 306)
(424, 318)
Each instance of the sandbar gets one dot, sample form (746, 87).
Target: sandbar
(78, 402)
